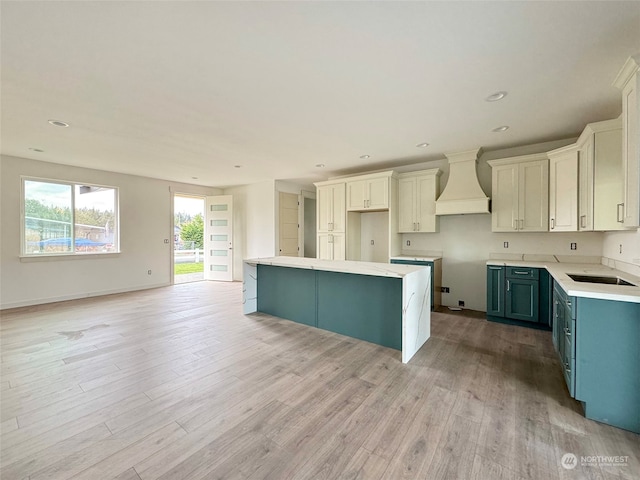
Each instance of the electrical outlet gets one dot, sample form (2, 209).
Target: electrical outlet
(461, 303)
(166, 240)
(148, 272)
(408, 243)
(574, 246)
(444, 289)
(506, 244)
(371, 242)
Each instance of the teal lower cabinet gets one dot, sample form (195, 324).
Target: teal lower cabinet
(522, 299)
(360, 306)
(495, 291)
(519, 295)
(598, 342)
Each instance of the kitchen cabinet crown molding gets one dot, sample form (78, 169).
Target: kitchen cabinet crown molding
(329, 182)
(362, 176)
(431, 171)
(532, 157)
(562, 150)
(597, 127)
(631, 66)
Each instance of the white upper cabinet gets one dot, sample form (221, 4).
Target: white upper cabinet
(368, 192)
(520, 191)
(417, 194)
(563, 189)
(628, 81)
(330, 206)
(601, 178)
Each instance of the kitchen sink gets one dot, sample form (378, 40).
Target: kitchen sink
(599, 279)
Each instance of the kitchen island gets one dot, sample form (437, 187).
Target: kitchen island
(381, 303)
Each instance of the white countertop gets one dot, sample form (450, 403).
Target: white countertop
(341, 266)
(559, 271)
(417, 258)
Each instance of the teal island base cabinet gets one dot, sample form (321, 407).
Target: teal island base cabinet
(598, 342)
(384, 304)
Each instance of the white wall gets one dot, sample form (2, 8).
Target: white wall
(145, 221)
(254, 222)
(629, 259)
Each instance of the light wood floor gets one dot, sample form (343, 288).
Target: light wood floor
(175, 383)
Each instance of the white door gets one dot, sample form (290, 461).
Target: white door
(218, 232)
(288, 225)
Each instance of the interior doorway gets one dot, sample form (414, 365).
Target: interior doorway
(188, 238)
(309, 222)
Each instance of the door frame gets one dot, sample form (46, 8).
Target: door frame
(304, 194)
(173, 194)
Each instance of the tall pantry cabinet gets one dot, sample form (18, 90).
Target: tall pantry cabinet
(331, 220)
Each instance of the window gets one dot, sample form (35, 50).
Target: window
(66, 218)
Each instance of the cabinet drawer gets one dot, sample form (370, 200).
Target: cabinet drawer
(522, 272)
(569, 373)
(568, 329)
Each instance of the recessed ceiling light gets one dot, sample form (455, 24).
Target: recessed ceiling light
(494, 97)
(237, 166)
(501, 129)
(320, 165)
(36, 150)
(422, 145)
(365, 156)
(58, 123)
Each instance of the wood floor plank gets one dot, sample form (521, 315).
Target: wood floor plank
(60, 450)
(176, 383)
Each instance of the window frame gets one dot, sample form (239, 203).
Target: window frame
(116, 212)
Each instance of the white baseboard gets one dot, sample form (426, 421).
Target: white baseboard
(63, 298)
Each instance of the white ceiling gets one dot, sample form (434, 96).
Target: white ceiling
(177, 90)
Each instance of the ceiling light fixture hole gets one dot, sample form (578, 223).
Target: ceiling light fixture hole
(58, 123)
(494, 97)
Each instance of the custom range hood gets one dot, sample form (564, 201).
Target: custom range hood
(463, 194)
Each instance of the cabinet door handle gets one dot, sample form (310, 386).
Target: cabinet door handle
(418, 229)
(567, 332)
(568, 303)
(619, 217)
(508, 285)
(518, 272)
(583, 221)
(495, 268)
(553, 223)
(515, 224)
(521, 224)
(414, 226)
